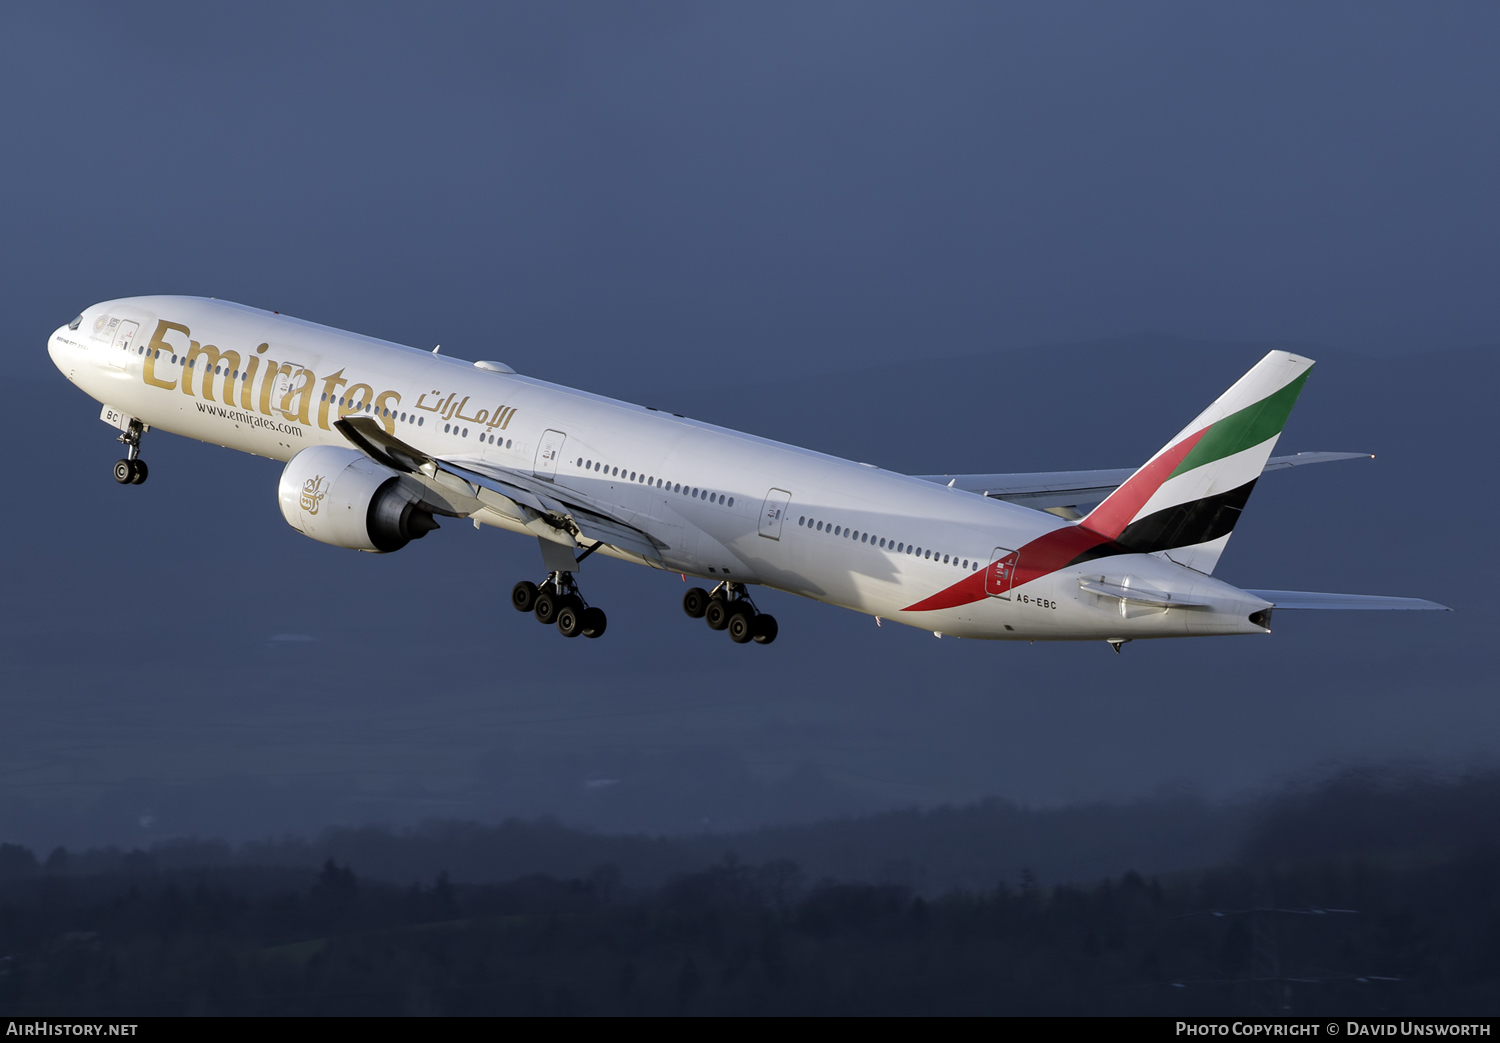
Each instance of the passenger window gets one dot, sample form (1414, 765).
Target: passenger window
(420, 419)
(731, 501)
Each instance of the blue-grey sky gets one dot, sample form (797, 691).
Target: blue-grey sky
(1100, 212)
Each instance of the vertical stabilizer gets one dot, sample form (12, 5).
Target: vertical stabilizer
(1185, 500)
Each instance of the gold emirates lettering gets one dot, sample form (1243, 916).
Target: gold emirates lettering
(296, 396)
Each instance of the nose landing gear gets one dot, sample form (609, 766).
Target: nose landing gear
(557, 600)
(728, 607)
(132, 470)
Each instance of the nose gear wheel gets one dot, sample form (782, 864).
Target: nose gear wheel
(132, 470)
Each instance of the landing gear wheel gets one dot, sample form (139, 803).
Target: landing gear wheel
(741, 627)
(718, 614)
(570, 620)
(141, 471)
(546, 608)
(764, 629)
(124, 471)
(695, 601)
(593, 622)
(523, 596)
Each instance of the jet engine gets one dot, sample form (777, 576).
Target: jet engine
(340, 496)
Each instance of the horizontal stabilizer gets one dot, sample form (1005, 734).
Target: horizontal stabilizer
(1277, 463)
(1043, 489)
(1290, 599)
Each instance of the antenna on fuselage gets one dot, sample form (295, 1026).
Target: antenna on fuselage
(435, 350)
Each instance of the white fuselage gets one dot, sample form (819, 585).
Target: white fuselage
(851, 534)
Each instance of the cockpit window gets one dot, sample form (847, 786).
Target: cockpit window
(76, 323)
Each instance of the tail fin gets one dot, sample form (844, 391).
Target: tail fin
(1187, 497)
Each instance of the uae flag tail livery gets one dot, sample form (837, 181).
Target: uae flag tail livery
(1185, 500)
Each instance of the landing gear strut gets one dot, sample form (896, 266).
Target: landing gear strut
(556, 600)
(728, 607)
(132, 470)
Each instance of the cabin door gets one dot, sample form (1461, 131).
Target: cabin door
(548, 453)
(774, 513)
(1001, 573)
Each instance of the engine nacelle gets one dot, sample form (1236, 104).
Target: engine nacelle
(340, 496)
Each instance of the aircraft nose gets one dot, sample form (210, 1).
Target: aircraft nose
(59, 348)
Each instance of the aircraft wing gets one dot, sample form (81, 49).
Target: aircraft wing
(1056, 490)
(593, 521)
(1309, 599)
(541, 506)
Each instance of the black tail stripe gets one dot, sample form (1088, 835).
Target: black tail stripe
(1187, 523)
(1184, 525)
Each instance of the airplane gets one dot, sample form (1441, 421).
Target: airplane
(380, 440)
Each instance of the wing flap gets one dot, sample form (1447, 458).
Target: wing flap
(560, 515)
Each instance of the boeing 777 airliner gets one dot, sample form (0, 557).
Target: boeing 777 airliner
(380, 440)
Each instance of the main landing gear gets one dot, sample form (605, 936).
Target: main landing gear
(132, 470)
(728, 607)
(557, 601)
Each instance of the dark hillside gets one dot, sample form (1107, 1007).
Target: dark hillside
(1313, 919)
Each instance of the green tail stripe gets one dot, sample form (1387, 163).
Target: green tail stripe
(1250, 426)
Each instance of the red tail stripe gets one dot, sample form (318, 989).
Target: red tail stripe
(1110, 517)
(1053, 550)
(1045, 554)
